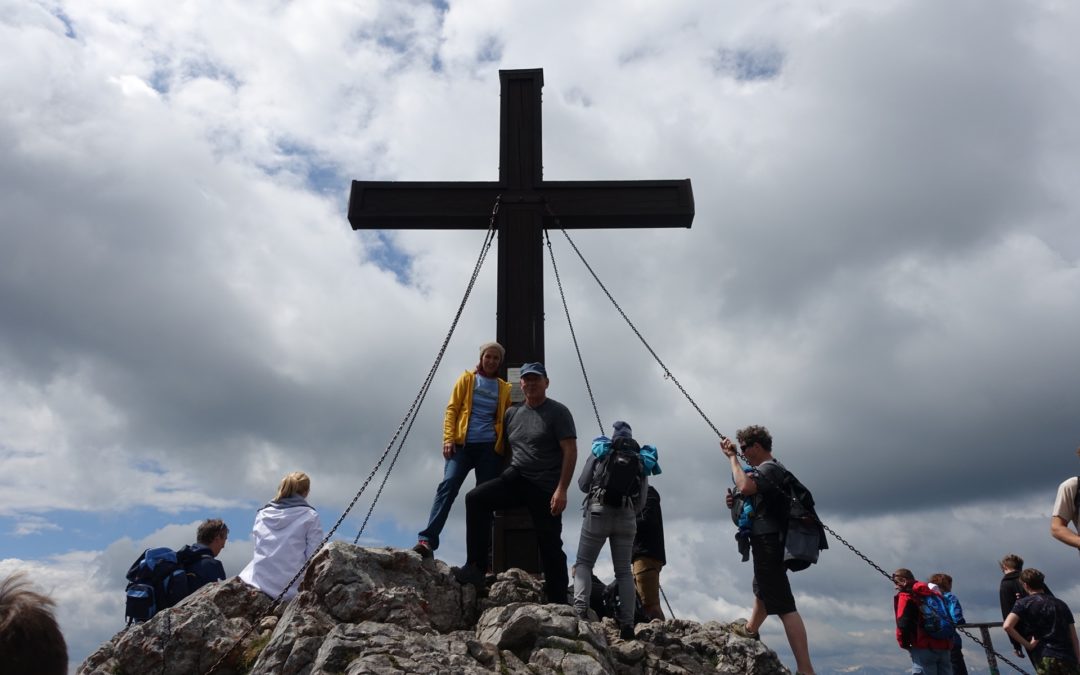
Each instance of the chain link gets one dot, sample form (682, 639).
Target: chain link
(409, 418)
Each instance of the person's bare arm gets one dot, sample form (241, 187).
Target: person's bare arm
(569, 461)
(1059, 529)
(1010, 628)
(742, 482)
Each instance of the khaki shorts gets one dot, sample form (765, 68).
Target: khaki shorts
(647, 580)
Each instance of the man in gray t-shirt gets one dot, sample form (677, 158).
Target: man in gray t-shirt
(543, 444)
(535, 436)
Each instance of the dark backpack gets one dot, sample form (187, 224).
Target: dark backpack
(617, 475)
(188, 557)
(156, 581)
(804, 535)
(934, 617)
(612, 604)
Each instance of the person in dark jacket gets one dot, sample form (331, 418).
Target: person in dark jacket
(648, 555)
(930, 656)
(1050, 637)
(200, 559)
(1012, 590)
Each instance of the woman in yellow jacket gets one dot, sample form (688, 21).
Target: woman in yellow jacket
(472, 437)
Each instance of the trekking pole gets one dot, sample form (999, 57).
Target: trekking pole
(670, 611)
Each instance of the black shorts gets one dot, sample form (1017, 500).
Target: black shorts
(770, 576)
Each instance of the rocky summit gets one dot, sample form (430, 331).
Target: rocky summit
(385, 610)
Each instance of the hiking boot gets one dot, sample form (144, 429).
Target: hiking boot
(626, 632)
(742, 631)
(468, 574)
(424, 549)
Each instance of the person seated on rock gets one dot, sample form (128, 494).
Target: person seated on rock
(200, 559)
(30, 639)
(287, 533)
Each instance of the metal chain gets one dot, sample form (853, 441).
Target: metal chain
(573, 335)
(668, 375)
(989, 648)
(409, 418)
(426, 386)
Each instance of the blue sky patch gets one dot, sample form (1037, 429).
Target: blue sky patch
(204, 68)
(747, 65)
(490, 50)
(159, 80)
(57, 532)
(319, 176)
(387, 256)
(69, 27)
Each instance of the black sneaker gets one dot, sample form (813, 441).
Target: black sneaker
(424, 549)
(468, 574)
(626, 632)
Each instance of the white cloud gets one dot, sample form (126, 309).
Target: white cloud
(882, 269)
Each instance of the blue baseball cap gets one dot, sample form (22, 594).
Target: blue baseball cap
(536, 368)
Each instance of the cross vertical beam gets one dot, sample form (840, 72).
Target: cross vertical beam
(519, 318)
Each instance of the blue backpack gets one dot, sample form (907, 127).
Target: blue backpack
(935, 618)
(956, 613)
(156, 580)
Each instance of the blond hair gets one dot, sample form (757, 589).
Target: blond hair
(295, 483)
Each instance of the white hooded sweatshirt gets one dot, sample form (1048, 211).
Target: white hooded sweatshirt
(286, 533)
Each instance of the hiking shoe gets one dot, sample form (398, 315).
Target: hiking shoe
(626, 632)
(468, 574)
(742, 631)
(424, 549)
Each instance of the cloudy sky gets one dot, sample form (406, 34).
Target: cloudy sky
(883, 269)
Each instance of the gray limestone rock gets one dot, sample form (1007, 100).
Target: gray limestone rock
(384, 610)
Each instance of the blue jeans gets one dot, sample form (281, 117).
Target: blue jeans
(617, 525)
(479, 456)
(931, 661)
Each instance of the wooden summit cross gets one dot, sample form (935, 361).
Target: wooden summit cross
(523, 215)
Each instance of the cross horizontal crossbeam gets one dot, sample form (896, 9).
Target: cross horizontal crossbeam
(467, 205)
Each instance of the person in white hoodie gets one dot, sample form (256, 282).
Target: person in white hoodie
(286, 533)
